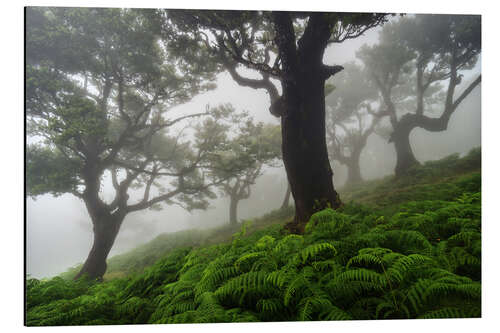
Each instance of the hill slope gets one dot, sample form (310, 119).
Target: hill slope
(411, 249)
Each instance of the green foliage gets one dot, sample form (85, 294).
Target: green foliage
(421, 261)
(350, 118)
(242, 157)
(100, 87)
(417, 66)
(48, 171)
(444, 179)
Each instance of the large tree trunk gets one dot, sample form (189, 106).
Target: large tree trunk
(286, 200)
(105, 232)
(233, 211)
(105, 226)
(405, 159)
(302, 110)
(304, 146)
(353, 171)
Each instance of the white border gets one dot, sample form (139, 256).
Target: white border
(12, 162)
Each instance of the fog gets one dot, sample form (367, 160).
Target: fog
(59, 230)
(464, 133)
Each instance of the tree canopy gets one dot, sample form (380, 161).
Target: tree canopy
(101, 89)
(254, 40)
(250, 149)
(351, 117)
(286, 50)
(417, 67)
(106, 107)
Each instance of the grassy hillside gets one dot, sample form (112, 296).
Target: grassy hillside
(398, 249)
(147, 254)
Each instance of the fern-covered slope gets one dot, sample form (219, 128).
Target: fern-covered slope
(388, 258)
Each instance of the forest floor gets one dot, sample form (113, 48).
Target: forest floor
(399, 248)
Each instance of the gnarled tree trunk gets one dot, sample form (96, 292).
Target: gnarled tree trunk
(105, 232)
(302, 110)
(404, 156)
(233, 210)
(106, 225)
(304, 146)
(405, 159)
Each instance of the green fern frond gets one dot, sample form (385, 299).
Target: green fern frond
(280, 278)
(326, 266)
(448, 312)
(306, 308)
(288, 241)
(440, 290)
(465, 237)
(206, 300)
(334, 313)
(134, 307)
(321, 217)
(459, 256)
(299, 283)
(270, 305)
(388, 259)
(314, 250)
(404, 264)
(247, 259)
(376, 251)
(384, 307)
(213, 278)
(237, 315)
(363, 275)
(253, 282)
(416, 293)
(265, 242)
(311, 305)
(365, 260)
(407, 241)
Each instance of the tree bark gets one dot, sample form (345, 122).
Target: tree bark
(105, 231)
(404, 156)
(233, 210)
(353, 170)
(105, 224)
(305, 154)
(286, 200)
(405, 159)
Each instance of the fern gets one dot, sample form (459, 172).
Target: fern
(448, 312)
(420, 259)
(247, 259)
(464, 238)
(247, 284)
(407, 241)
(313, 251)
(366, 259)
(362, 275)
(297, 284)
(265, 242)
(334, 313)
(441, 289)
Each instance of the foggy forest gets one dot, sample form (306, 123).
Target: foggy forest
(208, 166)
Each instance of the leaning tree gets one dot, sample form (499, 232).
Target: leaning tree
(417, 66)
(100, 88)
(284, 48)
(353, 112)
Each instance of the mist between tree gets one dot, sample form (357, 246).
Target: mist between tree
(131, 111)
